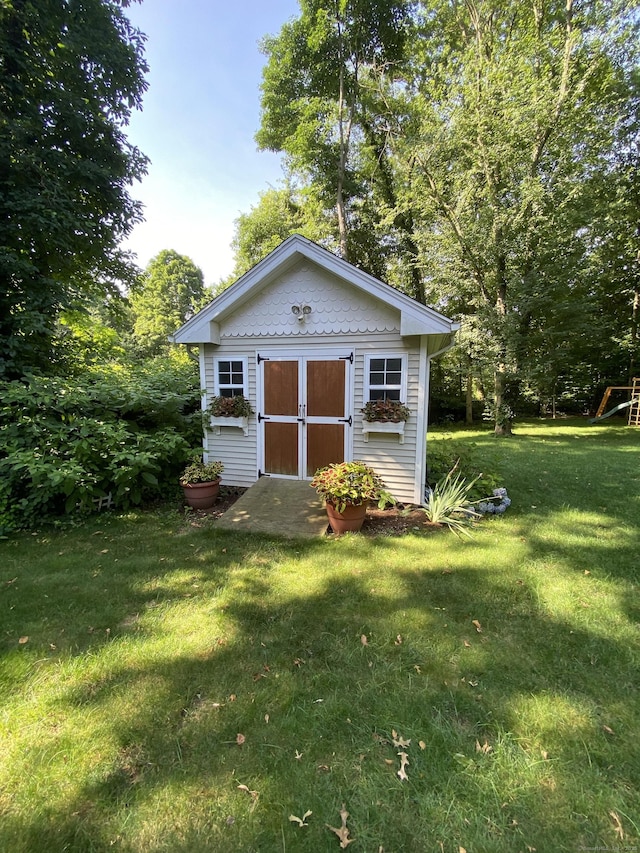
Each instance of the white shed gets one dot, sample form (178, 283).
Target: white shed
(309, 339)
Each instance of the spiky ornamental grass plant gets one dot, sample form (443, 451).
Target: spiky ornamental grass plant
(449, 503)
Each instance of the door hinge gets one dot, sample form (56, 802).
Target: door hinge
(348, 420)
(348, 358)
(262, 418)
(262, 358)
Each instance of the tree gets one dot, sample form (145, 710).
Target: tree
(170, 291)
(71, 71)
(278, 214)
(313, 95)
(514, 112)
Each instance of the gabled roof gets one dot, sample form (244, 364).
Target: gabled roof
(415, 319)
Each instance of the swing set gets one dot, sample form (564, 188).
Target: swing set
(633, 404)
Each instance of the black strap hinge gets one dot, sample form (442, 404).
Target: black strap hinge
(262, 358)
(348, 358)
(348, 420)
(262, 418)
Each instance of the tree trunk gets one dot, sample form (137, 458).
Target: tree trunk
(468, 419)
(635, 322)
(502, 420)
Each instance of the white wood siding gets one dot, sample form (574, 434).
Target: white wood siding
(236, 450)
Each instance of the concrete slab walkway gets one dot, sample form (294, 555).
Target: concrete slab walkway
(279, 507)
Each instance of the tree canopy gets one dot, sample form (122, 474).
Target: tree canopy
(71, 72)
(482, 155)
(169, 292)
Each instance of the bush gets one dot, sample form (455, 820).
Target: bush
(475, 464)
(65, 444)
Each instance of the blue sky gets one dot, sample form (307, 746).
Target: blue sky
(200, 114)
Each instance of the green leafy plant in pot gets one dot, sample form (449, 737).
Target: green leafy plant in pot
(230, 407)
(200, 483)
(385, 410)
(347, 489)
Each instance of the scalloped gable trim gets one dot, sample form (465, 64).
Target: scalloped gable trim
(415, 319)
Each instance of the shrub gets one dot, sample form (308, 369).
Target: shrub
(478, 465)
(65, 444)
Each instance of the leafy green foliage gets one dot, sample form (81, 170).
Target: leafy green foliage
(169, 292)
(70, 74)
(201, 472)
(230, 407)
(355, 483)
(478, 465)
(65, 444)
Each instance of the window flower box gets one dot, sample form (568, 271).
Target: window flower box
(218, 421)
(393, 427)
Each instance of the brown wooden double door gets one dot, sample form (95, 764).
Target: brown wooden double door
(303, 417)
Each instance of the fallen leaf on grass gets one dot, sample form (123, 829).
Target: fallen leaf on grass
(399, 741)
(477, 625)
(23, 640)
(398, 640)
(422, 744)
(404, 760)
(240, 739)
(266, 718)
(618, 825)
(467, 644)
(298, 755)
(484, 748)
(301, 821)
(253, 794)
(608, 730)
(363, 640)
(343, 832)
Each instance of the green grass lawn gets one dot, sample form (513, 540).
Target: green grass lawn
(165, 686)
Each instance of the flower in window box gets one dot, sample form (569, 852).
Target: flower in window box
(230, 407)
(385, 410)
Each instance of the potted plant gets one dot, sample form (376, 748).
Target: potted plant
(385, 410)
(347, 489)
(230, 407)
(230, 412)
(200, 483)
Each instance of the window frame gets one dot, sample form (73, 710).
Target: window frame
(218, 388)
(402, 387)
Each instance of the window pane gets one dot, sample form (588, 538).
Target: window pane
(376, 394)
(226, 392)
(376, 379)
(393, 378)
(376, 364)
(392, 395)
(394, 364)
(236, 366)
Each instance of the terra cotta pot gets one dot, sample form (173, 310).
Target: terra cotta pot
(201, 495)
(349, 521)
